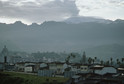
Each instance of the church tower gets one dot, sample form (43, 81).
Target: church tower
(5, 53)
(84, 58)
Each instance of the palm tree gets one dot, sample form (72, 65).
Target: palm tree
(117, 61)
(111, 60)
(101, 62)
(68, 58)
(89, 60)
(93, 60)
(107, 63)
(122, 60)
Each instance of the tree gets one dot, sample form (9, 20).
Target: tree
(93, 61)
(122, 60)
(107, 63)
(95, 58)
(89, 60)
(117, 61)
(68, 58)
(111, 59)
(101, 62)
(67, 61)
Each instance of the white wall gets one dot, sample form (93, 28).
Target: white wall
(84, 68)
(28, 69)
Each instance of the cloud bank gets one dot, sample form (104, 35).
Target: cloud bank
(37, 10)
(109, 9)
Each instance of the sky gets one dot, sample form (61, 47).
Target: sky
(38, 11)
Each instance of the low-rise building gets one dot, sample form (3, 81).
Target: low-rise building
(43, 66)
(29, 67)
(20, 66)
(98, 69)
(120, 70)
(109, 69)
(69, 74)
(46, 73)
(57, 66)
(10, 67)
(52, 66)
(84, 68)
(75, 67)
(1, 66)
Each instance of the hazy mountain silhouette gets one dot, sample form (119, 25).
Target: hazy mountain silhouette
(81, 19)
(106, 51)
(62, 36)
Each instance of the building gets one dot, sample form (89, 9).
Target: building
(1, 66)
(76, 67)
(120, 70)
(109, 69)
(57, 66)
(46, 73)
(29, 68)
(84, 68)
(99, 69)
(96, 68)
(10, 67)
(43, 66)
(83, 61)
(69, 74)
(52, 66)
(4, 55)
(20, 66)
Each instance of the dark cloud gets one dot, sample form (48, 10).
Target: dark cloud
(37, 11)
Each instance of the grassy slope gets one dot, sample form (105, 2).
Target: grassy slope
(19, 78)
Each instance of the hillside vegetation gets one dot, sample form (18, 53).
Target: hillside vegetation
(19, 78)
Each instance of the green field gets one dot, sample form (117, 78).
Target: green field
(19, 78)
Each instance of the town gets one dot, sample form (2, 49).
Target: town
(87, 70)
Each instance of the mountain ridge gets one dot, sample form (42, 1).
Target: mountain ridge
(62, 36)
(76, 20)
